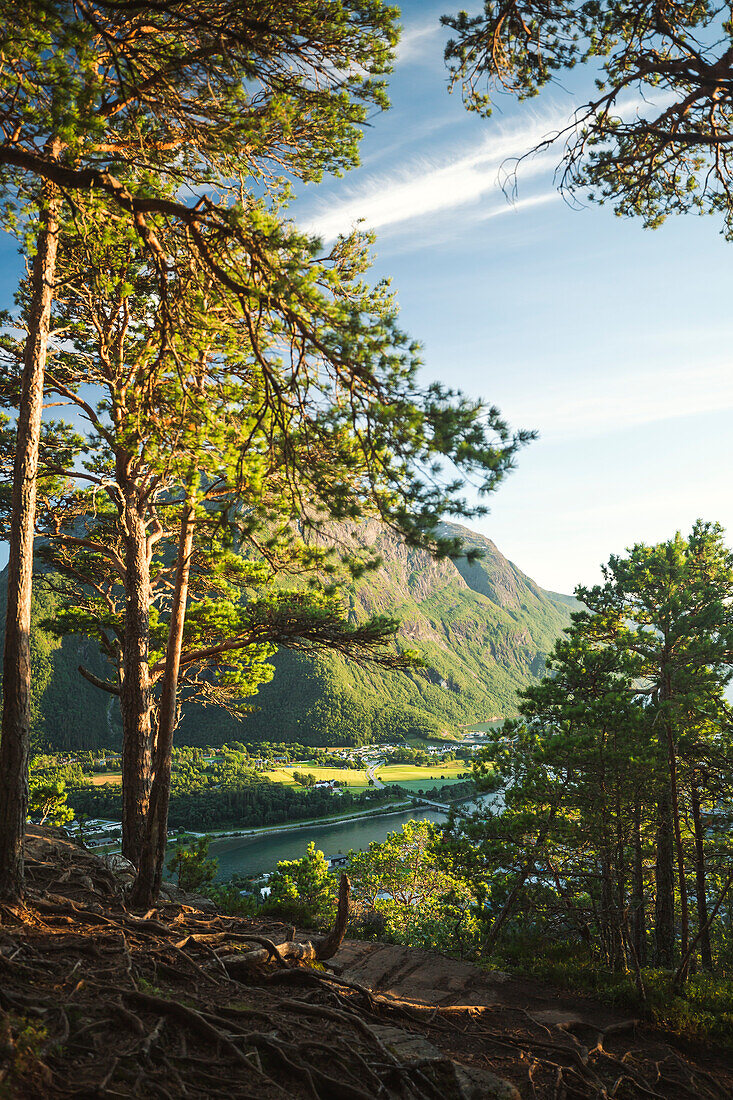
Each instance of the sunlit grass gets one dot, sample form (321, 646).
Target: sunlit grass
(349, 776)
(115, 778)
(402, 773)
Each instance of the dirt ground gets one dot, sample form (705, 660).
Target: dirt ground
(526, 1031)
(97, 1000)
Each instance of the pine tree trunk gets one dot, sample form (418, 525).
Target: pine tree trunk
(664, 908)
(700, 883)
(637, 900)
(664, 903)
(620, 899)
(152, 856)
(608, 916)
(15, 740)
(681, 877)
(136, 698)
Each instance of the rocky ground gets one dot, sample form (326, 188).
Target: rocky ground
(99, 1001)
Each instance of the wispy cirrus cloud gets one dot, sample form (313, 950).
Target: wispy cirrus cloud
(604, 402)
(454, 179)
(428, 186)
(422, 40)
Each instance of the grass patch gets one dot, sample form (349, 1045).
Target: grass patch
(424, 776)
(703, 1012)
(415, 785)
(115, 778)
(349, 776)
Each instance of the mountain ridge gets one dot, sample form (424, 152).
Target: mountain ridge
(483, 628)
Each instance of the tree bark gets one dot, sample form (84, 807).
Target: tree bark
(637, 899)
(675, 806)
(15, 740)
(706, 953)
(152, 855)
(668, 820)
(620, 858)
(664, 874)
(610, 916)
(136, 697)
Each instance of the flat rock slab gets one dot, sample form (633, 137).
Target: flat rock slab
(419, 976)
(558, 1017)
(415, 1050)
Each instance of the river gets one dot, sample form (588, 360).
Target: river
(250, 855)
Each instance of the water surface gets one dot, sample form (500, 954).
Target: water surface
(249, 855)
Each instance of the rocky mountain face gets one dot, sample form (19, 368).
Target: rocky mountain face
(482, 628)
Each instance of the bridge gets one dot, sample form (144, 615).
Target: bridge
(446, 808)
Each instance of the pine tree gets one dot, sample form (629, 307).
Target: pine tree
(139, 104)
(655, 135)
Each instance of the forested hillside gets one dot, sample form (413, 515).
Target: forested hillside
(483, 630)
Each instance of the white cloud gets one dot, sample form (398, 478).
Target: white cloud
(609, 402)
(437, 184)
(429, 186)
(421, 39)
(520, 204)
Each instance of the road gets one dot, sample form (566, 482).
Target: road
(371, 768)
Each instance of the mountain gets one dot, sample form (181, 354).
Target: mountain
(483, 629)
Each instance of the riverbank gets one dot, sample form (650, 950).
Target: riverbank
(252, 856)
(312, 822)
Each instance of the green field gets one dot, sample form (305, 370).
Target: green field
(423, 776)
(349, 776)
(415, 785)
(409, 776)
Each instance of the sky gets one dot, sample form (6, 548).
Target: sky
(611, 341)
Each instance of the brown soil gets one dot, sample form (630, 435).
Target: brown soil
(99, 1001)
(527, 1031)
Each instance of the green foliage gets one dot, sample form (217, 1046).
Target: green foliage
(612, 828)
(303, 889)
(653, 137)
(47, 801)
(190, 861)
(702, 1012)
(305, 779)
(206, 96)
(405, 882)
(402, 890)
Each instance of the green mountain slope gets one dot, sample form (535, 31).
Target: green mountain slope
(483, 629)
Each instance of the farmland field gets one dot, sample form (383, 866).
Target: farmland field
(423, 776)
(115, 778)
(415, 785)
(349, 776)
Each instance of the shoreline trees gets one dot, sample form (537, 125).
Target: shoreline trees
(612, 830)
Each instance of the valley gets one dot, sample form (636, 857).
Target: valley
(482, 630)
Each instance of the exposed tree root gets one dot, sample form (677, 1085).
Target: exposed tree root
(97, 1001)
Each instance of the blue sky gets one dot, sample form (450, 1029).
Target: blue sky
(612, 341)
